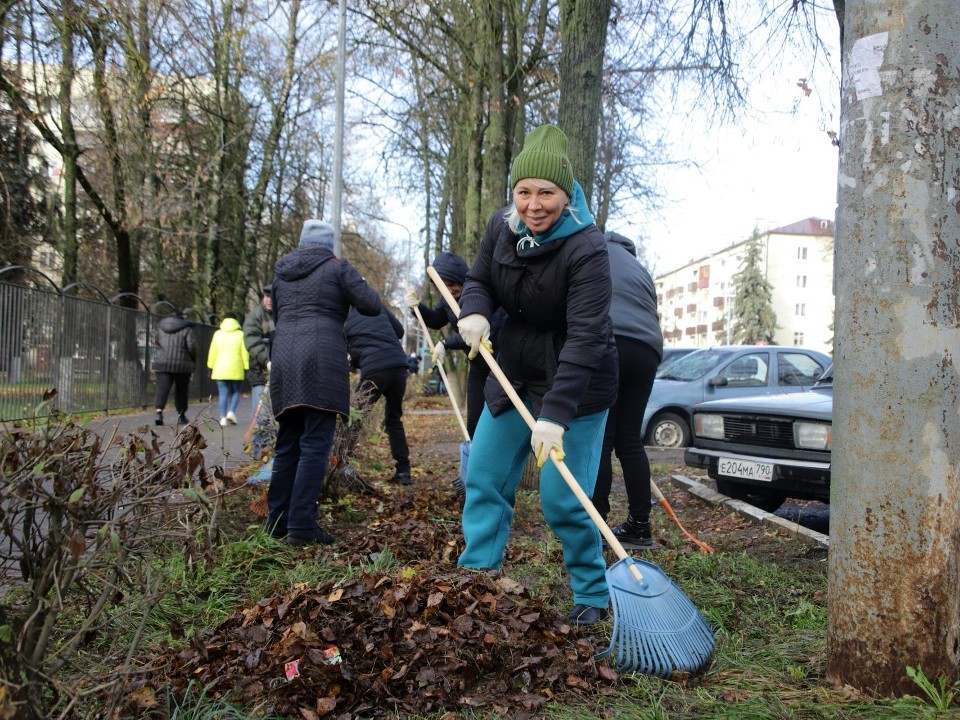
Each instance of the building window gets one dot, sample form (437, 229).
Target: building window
(802, 253)
(798, 338)
(801, 309)
(801, 281)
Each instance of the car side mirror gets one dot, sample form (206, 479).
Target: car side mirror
(718, 381)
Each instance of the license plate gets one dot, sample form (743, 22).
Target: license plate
(746, 469)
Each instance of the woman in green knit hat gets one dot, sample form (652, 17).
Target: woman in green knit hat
(544, 261)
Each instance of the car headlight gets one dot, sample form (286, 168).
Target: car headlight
(812, 436)
(709, 426)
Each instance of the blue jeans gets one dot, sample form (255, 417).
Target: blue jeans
(229, 396)
(498, 453)
(304, 440)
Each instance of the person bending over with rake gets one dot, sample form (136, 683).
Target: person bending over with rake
(545, 262)
(636, 329)
(452, 269)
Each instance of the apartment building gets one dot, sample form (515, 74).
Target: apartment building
(696, 300)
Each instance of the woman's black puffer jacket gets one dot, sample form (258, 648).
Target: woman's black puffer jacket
(556, 345)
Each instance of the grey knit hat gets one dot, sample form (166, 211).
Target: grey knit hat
(544, 156)
(317, 233)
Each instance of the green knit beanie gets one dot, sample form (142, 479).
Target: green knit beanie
(544, 156)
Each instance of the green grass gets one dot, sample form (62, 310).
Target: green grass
(197, 705)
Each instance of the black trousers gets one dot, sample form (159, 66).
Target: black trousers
(476, 380)
(638, 367)
(391, 385)
(181, 390)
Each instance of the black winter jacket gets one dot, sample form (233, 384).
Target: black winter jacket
(374, 342)
(177, 346)
(556, 345)
(312, 294)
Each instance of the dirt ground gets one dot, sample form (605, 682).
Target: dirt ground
(421, 636)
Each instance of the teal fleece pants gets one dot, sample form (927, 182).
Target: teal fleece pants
(498, 454)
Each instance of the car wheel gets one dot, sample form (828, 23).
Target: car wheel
(764, 499)
(669, 430)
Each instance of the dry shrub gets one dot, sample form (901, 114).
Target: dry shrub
(84, 525)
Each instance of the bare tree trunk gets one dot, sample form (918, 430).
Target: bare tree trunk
(583, 27)
(69, 148)
(530, 480)
(894, 568)
(247, 265)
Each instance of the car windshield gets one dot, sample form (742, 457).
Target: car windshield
(693, 366)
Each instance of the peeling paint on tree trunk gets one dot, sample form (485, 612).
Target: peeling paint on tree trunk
(894, 596)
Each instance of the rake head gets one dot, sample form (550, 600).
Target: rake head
(657, 630)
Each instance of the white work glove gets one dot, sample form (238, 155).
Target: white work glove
(410, 299)
(269, 365)
(439, 353)
(475, 331)
(546, 435)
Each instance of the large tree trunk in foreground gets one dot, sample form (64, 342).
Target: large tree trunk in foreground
(895, 501)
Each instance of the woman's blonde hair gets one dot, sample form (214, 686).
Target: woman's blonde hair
(512, 215)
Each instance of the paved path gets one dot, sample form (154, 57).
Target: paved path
(224, 444)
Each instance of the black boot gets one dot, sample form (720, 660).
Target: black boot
(159, 419)
(634, 532)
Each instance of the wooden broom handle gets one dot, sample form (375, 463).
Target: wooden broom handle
(443, 376)
(531, 423)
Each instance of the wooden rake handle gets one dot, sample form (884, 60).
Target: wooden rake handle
(443, 376)
(531, 423)
(704, 548)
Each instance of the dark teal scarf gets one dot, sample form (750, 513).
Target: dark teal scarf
(566, 225)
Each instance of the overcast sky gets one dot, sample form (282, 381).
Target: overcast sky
(762, 173)
(774, 165)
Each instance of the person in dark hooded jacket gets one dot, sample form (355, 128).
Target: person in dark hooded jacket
(636, 329)
(174, 363)
(375, 350)
(313, 291)
(453, 271)
(545, 262)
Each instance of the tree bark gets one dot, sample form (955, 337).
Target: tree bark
(583, 29)
(69, 147)
(894, 568)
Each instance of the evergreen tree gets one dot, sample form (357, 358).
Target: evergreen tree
(753, 318)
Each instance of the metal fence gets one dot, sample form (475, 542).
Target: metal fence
(95, 353)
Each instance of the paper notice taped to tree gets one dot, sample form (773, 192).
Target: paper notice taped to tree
(865, 61)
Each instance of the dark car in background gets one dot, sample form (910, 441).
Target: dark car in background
(722, 372)
(765, 449)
